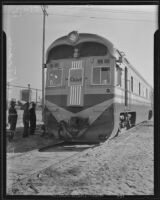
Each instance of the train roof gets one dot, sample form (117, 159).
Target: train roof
(83, 37)
(136, 71)
(89, 37)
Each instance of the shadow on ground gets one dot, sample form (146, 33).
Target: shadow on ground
(36, 141)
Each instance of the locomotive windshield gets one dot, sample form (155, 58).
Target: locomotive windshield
(101, 75)
(84, 49)
(55, 77)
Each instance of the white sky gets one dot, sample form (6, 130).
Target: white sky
(130, 28)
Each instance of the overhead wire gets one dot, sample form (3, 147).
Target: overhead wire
(119, 11)
(94, 17)
(108, 18)
(89, 17)
(17, 86)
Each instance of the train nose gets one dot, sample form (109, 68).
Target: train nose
(78, 123)
(74, 128)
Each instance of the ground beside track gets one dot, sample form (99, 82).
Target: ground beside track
(122, 166)
(21, 145)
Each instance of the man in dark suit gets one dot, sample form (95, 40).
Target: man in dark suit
(32, 113)
(12, 119)
(26, 119)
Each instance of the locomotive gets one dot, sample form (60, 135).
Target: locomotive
(92, 91)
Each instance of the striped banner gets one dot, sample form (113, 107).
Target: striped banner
(77, 64)
(75, 90)
(75, 95)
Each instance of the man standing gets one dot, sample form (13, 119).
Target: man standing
(12, 119)
(32, 113)
(26, 119)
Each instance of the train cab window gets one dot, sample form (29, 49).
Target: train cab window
(84, 49)
(105, 75)
(60, 52)
(92, 49)
(55, 77)
(101, 75)
(119, 75)
(96, 75)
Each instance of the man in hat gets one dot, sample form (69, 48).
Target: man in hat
(12, 119)
(32, 113)
(26, 119)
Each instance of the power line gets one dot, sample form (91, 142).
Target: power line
(120, 11)
(108, 18)
(92, 17)
(44, 10)
(17, 86)
(85, 7)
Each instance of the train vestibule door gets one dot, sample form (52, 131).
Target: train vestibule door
(126, 89)
(75, 83)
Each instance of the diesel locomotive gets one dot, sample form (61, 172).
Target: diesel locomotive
(92, 91)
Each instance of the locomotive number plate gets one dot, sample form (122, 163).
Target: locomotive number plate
(76, 77)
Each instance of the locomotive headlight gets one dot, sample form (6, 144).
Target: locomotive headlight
(73, 36)
(55, 76)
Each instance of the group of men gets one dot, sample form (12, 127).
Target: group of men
(29, 119)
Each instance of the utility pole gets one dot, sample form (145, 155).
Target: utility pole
(43, 55)
(29, 91)
(36, 96)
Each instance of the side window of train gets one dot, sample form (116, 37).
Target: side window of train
(55, 77)
(139, 88)
(131, 83)
(101, 75)
(119, 76)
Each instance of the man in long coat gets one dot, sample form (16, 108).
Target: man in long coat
(26, 119)
(12, 119)
(32, 113)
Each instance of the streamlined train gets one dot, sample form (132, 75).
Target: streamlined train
(92, 91)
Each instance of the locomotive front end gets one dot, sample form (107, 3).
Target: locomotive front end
(79, 92)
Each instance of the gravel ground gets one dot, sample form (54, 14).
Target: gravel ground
(22, 145)
(121, 166)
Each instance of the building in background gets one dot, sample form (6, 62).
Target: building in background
(25, 95)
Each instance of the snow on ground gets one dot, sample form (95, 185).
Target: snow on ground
(120, 166)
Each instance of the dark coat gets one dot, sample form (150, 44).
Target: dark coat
(32, 115)
(12, 118)
(26, 116)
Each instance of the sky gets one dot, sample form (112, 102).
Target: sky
(130, 28)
